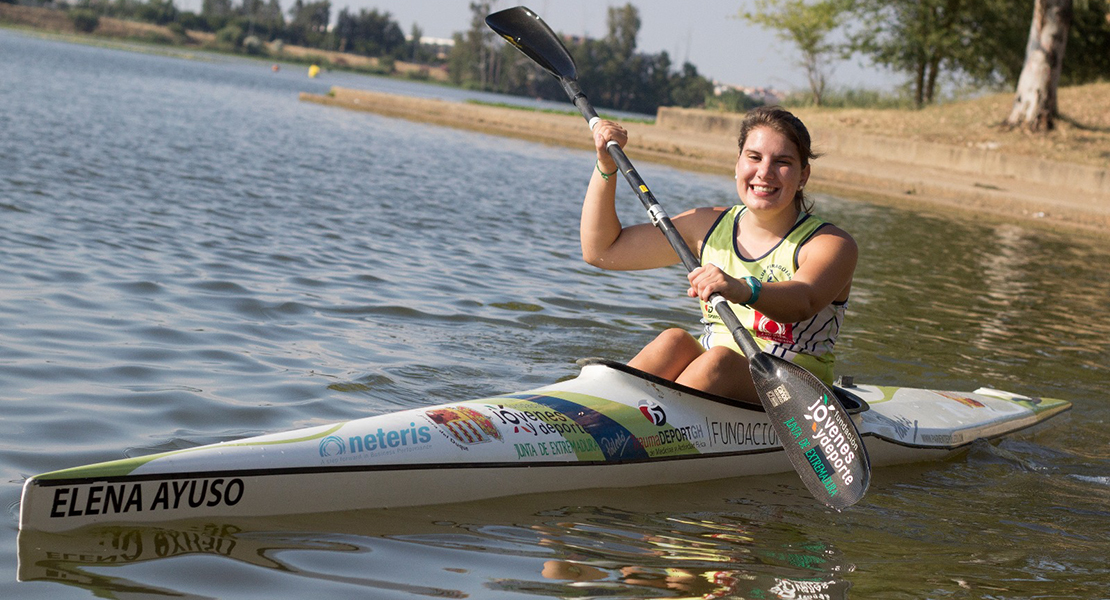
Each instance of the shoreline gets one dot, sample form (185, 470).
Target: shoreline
(912, 165)
(932, 177)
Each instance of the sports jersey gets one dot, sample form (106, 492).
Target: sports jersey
(808, 343)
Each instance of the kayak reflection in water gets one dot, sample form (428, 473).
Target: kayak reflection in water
(786, 272)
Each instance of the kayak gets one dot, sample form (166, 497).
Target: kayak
(611, 427)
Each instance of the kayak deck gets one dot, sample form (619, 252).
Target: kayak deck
(612, 426)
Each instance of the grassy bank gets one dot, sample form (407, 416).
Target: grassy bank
(1082, 135)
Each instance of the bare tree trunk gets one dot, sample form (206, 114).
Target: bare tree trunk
(919, 84)
(931, 80)
(1035, 101)
(816, 78)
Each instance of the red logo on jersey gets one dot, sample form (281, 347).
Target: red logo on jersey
(767, 329)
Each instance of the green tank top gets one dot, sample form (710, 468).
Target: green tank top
(814, 337)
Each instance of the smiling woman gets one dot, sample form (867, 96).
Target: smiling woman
(784, 271)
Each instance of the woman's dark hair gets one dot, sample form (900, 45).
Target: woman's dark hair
(785, 123)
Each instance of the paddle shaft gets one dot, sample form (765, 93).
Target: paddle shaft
(660, 219)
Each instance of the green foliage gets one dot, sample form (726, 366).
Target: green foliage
(688, 88)
(852, 98)
(308, 25)
(807, 26)
(85, 20)
(369, 33)
(230, 36)
(925, 38)
(933, 42)
(1088, 51)
(159, 12)
(387, 64)
(617, 76)
(191, 21)
(732, 101)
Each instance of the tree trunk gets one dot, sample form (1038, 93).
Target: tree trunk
(931, 80)
(1035, 101)
(919, 84)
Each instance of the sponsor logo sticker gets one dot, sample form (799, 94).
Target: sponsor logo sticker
(653, 412)
(778, 396)
(333, 445)
(466, 425)
(768, 329)
(384, 440)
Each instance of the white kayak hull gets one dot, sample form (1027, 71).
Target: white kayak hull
(611, 427)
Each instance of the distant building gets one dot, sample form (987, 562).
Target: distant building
(440, 46)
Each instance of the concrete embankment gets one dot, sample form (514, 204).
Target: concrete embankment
(980, 183)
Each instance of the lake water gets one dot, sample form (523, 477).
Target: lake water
(188, 254)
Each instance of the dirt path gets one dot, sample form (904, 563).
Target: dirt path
(930, 177)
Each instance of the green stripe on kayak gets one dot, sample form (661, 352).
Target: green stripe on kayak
(125, 466)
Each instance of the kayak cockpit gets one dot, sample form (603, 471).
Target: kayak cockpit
(852, 403)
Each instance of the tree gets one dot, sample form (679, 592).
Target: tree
(308, 23)
(624, 26)
(1035, 100)
(985, 43)
(807, 26)
(927, 37)
(1088, 43)
(159, 12)
(474, 60)
(688, 88)
(370, 33)
(611, 68)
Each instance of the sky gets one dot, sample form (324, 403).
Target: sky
(704, 32)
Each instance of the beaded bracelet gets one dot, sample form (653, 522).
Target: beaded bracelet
(604, 175)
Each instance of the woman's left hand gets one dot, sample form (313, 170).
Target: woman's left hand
(707, 280)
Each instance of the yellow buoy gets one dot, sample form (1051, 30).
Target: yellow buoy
(313, 71)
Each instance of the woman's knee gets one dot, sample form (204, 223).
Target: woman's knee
(720, 359)
(678, 339)
(721, 371)
(729, 356)
(668, 354)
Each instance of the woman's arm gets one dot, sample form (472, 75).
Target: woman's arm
(608, 244)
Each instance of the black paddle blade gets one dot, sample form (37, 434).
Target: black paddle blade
(524, 29)
(817, 434)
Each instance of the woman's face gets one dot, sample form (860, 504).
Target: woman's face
(769, 171)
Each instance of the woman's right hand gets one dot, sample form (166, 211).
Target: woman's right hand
(604, 132)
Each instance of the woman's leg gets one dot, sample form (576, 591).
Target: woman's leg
(678, 356)
(668, 355)
(721, 371)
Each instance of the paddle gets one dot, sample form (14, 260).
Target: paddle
(818, 436)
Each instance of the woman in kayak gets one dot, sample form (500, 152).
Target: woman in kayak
(785, 272)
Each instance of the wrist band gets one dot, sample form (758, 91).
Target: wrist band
(755, 286)
(604, 175)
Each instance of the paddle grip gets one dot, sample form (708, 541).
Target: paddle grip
(660, 219)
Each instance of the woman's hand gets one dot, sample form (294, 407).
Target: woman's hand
(604, 132)
(707, 280)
